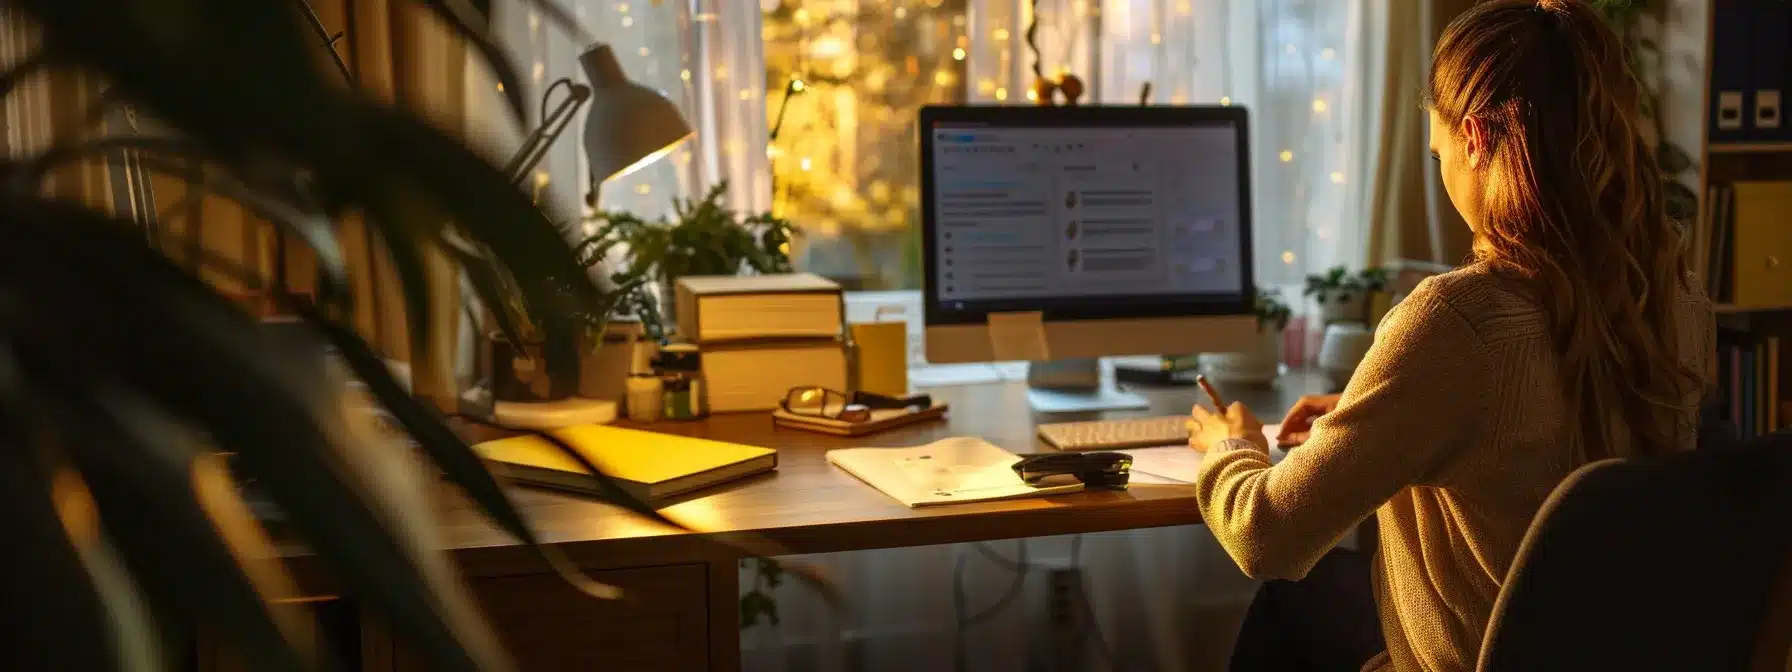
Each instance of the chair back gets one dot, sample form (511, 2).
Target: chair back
(1675, 563)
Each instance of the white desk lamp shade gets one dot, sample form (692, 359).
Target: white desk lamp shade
(628, 125)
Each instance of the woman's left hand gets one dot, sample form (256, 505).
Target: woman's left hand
(1207, 428)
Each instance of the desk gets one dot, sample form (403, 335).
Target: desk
(687, 615)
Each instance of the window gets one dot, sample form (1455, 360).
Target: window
(844, 163)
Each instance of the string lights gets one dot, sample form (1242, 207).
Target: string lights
(844, 163)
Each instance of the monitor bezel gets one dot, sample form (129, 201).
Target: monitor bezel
(1085, 308)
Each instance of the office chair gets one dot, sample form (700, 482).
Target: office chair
(1677, 563)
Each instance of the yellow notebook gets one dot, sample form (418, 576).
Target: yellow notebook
(649, 465)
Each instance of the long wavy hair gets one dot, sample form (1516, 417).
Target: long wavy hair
(1574, 205)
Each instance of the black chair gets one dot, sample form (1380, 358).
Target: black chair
(1678, 563)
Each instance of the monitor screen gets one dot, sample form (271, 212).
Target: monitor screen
(1085, 213)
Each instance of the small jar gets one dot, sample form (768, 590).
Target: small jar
(680, 369)
(644, 391)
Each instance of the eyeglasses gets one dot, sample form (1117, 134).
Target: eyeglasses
(821, 402)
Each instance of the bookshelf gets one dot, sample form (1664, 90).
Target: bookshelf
(1754, 354)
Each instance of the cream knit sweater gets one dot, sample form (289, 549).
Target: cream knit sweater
(1452, 431)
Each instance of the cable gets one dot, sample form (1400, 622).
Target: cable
(1094, 629)
(960, 620)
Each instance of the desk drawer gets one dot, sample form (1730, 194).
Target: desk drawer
(661, 625)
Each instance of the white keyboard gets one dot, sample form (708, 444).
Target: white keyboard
(1117, 434)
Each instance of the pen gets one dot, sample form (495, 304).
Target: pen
(1212, 394)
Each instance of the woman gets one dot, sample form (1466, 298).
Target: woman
(1575, 334)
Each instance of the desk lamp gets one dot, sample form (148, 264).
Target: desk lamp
(629, 125)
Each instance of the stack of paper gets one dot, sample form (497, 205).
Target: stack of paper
(948, 471)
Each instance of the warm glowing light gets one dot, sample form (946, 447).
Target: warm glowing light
(986, 86)
(901, 13)
(746, 94)
(685, 74)
(1080, 7)
(500, 87)
(628, 21)
(1157, 39)
(1319, 106)
(721, 73)
(1286, 156)
(942, 77)
(1225, 101)
(796, 85)
(1001, 93)
(1337, 177)
(1184, 8)
(650, 158)
(958, 54)
(643, 188)
(1288, 257)
(1000, 34)
(784, 249)
(538, 71)
(772, 151)
(1032, 95)
(541, 178)
(801, 16)
(807, 164)
(621, 8)
(828, 47)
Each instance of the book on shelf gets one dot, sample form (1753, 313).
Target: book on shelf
(1749, 375)
(649, 465)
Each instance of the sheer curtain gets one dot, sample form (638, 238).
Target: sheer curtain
(704, 55)
(1298, 65)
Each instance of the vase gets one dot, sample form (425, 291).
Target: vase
(1343, 349)
(1258, 364)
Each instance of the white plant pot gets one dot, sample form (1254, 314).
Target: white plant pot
(1257, 365)
(1343, 349)
(1333, 310)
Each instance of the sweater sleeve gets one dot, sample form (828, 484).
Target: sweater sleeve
(1421, 394)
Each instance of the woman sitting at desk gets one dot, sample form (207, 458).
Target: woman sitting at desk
(1574, 335)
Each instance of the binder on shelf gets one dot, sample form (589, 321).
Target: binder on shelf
(1761, 254)
(1731, 75)
(1767, 69)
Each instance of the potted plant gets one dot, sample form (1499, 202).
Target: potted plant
(609, 319)
(703, 237)
(1261, 362)
(1344, 296)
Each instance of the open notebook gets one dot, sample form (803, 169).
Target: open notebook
(1178, 464)
(948, 471)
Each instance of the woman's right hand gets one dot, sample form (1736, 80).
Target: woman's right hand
(1299, 421)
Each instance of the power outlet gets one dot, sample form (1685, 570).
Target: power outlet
(1065, 619)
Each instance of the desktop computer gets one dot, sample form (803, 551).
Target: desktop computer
(1060, 235)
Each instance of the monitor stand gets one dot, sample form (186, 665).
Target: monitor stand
(1077, 386)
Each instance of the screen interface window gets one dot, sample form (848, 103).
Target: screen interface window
(1085, 212)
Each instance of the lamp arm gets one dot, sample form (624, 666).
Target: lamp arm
(552, 126)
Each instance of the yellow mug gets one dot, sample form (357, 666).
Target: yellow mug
(881, 357)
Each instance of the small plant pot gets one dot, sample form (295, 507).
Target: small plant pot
(1345, 345)
(1258, 364)
(1349, 308)
(603, 370)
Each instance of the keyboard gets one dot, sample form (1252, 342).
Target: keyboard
(1117, 434)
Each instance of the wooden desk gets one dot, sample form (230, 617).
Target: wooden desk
(685, 614)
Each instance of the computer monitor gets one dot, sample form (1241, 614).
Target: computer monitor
(1067, 234)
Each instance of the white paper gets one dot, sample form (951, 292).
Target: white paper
(1179, 464)
(948, 471)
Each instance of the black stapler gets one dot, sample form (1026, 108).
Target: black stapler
(1104, 470)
